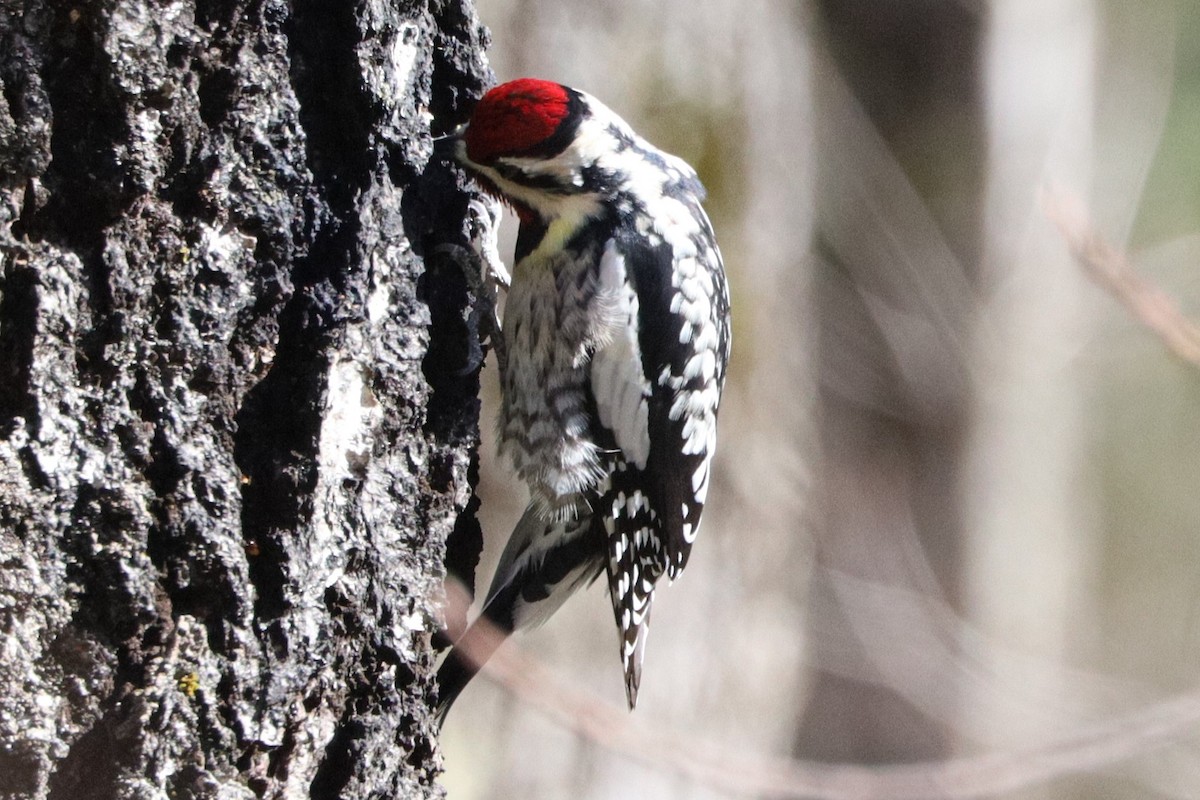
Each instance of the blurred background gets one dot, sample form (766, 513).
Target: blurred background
(956, 506)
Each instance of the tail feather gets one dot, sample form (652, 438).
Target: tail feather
(544, 562)
(452, 677)
(633, 653)
(465, 659)
(636, 559)
(529, 529)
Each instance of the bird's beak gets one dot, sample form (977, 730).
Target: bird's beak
(446, 145)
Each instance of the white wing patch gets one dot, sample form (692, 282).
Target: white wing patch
(618, 381)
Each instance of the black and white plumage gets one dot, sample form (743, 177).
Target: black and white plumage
(617, 334)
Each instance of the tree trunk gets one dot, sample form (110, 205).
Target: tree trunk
(237, 393)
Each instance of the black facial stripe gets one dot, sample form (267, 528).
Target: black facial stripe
(564, 134)
(545, 183)
(592, 179)
(529, 234)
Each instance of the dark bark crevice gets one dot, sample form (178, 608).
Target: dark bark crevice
(18, 325)
(92, 768)
(335, 112)
(88, 184)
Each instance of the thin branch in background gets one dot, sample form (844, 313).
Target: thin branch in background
(1109, 267)
(1088, 748)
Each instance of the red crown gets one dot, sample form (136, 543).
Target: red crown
(515, 117)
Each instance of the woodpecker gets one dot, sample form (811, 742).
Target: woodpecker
(617, 332)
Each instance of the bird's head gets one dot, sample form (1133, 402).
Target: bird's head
(540, 146)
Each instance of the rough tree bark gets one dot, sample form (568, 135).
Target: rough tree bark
(237, 393)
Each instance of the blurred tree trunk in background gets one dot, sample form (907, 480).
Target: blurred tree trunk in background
(894, 400)
(238, 396)
(1031, 485)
